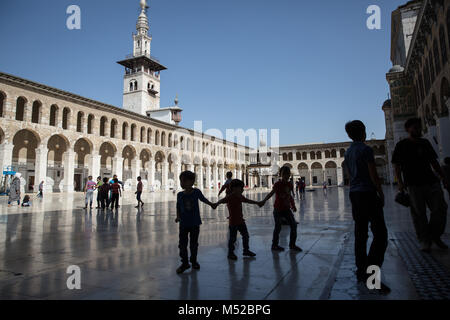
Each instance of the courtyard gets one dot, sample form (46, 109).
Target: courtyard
(133, 254)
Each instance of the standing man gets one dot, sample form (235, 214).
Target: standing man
(41, 189)
(413, 159)
(99, 184)
(367, 198)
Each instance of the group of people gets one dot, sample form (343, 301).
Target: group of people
(188, 215)
(300, 188)
(413, 158)
(420, 178)
(109, 192)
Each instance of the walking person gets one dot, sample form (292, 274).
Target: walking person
(283, 207)
(89, 189)
(14, 190)
(226, 185)
(41, 190)
(414, 160)
(140, 187)
(103, 193)
(367, 198)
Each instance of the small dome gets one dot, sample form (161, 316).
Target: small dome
(396, 68)
(387, 103)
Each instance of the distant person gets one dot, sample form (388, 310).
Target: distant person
(111, 182)
(99, 184)
(188, 215)
(26, 201)
(413, 159)
(139, 189)
(283, 207)
(226, 185)
(41, 190)
(367, 198)
(234, 200)
(116, 192)
(297, 188)
(14, 190)
(89, 189)
(103, 193)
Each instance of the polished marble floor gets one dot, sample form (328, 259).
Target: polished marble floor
(131, 254)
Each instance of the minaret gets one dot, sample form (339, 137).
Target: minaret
(141, 82)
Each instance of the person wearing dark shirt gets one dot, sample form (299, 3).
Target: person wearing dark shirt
(103, 193)
(234, 200)
(283, 207)
(188, 216)
(414, 160)
(226, 185)
(115, 193)
(367, 198)
(139, 189)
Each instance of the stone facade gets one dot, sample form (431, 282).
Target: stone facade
(419, 79)
(56, 136)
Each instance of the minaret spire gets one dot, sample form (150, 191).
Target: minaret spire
(142, 26)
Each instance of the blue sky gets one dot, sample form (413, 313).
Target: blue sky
(304, 67)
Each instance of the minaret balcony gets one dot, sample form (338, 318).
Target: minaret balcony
(153, 92)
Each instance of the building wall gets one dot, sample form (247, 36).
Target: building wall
(160, 153)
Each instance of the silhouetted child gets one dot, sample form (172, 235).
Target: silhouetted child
(284, 203)
(226, 185)
(116, 193)
(26, 201)
(234, 200)
(367, 198)
(139, 189)
(188, 215)
(103, 193)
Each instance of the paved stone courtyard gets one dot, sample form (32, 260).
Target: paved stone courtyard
(133, 254)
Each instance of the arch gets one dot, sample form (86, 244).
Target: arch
(333, 153)
(145, 156)
(342, 152)
(327, 154)
(186, 159)
(304, 156)
(133, 132)
(331, 173)
(319, 155)
(80, 120)
(312, 155)
(288, 165)
(36, 112)
(107, 152)
(20, 108)
(82, 147)
(90, 124)
(2, 103)
(157, 141)
(330, 165)
(25, 142)
(316, 165)
(302, 166)
(103, 121)
(182, 143)
(128, 155)
(149, 136)
(113, 129)
(170, 141)
(317, 173)
(54, 109)
(163, 139)
(125, 131)
(285, 156)
(57, 145)
(142, 135)
(66, 118)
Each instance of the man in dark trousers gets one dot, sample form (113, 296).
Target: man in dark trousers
(367, 198)
(413, 159)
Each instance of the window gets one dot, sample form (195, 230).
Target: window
(133, 85)
(53, 115)
(20, 108)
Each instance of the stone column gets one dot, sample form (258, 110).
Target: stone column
(216, 177)
(6, 151)
(176, 175)
(69, 170)
(222, 175)
(94, 164)
(269, 181)
(117, 167)
(310, 178)
(151, 173)
(164, 178)
(135, 171)
(208, 177)
(40, 167)
(340, 177)
(200, 176)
